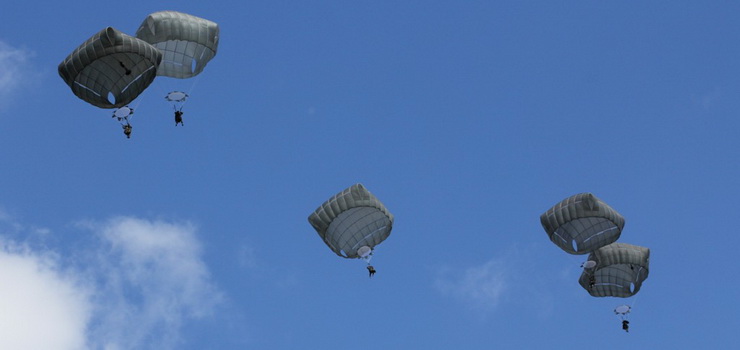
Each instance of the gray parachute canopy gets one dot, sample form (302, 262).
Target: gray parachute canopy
(582, 223)
(619, 272)
(110, 69)
(352, 219)
(187, 42)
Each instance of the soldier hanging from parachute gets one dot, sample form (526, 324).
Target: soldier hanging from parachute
(187, 42)
(583, 224)
(352, 223)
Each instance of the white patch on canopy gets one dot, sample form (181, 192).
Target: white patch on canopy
(589, 264)
(364, 251)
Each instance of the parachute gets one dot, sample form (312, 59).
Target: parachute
(619, 272)
(124, 115)
(582, 223)
(110, 69)
(187, 42)
(178, 99)
(622, 311)
(352, 222)
(176, 96)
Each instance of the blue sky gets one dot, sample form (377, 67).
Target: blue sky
(467, 119)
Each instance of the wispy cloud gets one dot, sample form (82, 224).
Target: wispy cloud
(135, 287)
(508, 278)
(15, 71)
(246, 257)
(480, 286)
(155, 282)
(707, 100)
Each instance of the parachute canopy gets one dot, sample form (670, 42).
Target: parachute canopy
(110, 69)
(176, 96)
(622, 310)
(123, 113)
(582, 223)
(619, 272)
(352, 221)
(187, 42)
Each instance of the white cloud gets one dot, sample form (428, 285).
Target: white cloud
(14, 70)
(134, 287)
(480, 286)
(7, 224)
(41, 306)
(525, 285)
(155, 281)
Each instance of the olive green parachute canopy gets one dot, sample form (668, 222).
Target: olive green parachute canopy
(619, 272)
(187, 42)
(582, 223)
(110, 69)
(352, 219)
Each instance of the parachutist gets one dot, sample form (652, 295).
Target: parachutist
(626, 325)
(127, 130)
(353, 212)
(591, 282)
(178, 118)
